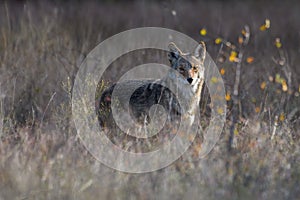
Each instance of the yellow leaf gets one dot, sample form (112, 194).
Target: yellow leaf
(266, 25)
(222, 71)
(220, 111)
(263, 85)
(278, 43)
(243, 32)
(278, 79)
(263, 27)
(214, 79)
(203, 32)
(233, 53)
(232, 57)
(284, 86)
(281, 117)
(257, 109)
(240, 40)
(227, 96)
(250, 60)
(218, 40)
(236, 132)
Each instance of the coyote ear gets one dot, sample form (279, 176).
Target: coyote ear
(200, 51)
(174, 52)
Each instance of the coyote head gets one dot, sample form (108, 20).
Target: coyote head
(190, 66)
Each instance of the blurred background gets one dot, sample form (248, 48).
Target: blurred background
(255, 45)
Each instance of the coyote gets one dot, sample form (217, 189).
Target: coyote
(150, 92)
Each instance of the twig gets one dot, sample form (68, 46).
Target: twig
(1, 116)
(236, 110)
(33, 116)
(14, 92)
(7, 17)
(274, 127)
(47, 107)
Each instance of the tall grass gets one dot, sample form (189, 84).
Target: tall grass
(41, 48)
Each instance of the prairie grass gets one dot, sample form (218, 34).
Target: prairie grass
(42, 45)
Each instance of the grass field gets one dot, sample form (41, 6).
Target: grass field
(42, 45)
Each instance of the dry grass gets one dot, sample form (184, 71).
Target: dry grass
(41, 48)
